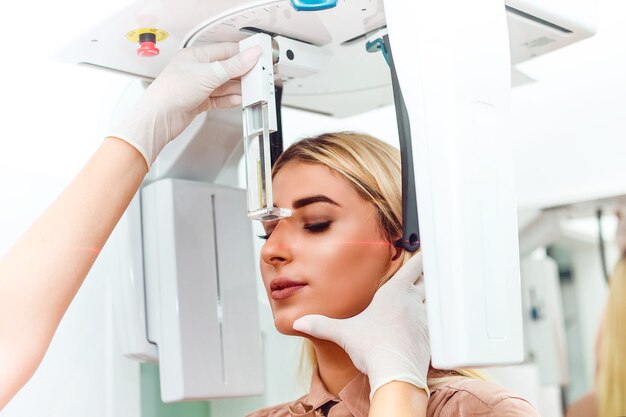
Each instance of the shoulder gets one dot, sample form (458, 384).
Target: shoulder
(586, 406)
(279, 410)
(467, 397)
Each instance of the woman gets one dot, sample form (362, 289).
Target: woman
(43, 270)
(330, 259)
(608, 399)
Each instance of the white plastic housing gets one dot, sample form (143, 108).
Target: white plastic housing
(455, 79)
(257, 86)
(536, 27)
(298, 59)
(259, 120)
(201, 292)
(129, 287)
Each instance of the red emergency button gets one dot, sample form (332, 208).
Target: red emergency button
(147, 39)
(148, 45)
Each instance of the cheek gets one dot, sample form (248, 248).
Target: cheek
(342, 278)
(348, 274)
(343, 270)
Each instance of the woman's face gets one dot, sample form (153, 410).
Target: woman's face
(329, 256)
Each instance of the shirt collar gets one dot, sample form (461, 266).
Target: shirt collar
(355, 395)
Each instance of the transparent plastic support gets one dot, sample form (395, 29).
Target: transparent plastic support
(258, 165)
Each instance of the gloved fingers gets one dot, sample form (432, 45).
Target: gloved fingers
(410, 271)
(222, 76)
(222, 102)
(227, 102)
(214, 52)
(321, 327)
(229, 88)
(421, 288)
(239, 64)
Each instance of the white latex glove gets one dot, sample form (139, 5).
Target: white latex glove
(196, 79)
(388, 341)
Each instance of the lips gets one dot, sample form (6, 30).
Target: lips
(282, 288)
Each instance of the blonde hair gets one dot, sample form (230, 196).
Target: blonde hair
(611, 378)
(374, 170)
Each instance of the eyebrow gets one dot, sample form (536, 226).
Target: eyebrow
(313, 199)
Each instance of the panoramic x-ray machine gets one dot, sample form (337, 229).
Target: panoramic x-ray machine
(186, 294)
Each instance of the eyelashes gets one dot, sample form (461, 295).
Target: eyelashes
(311, 228)
(317, 227)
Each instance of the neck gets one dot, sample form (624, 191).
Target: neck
(334, 365)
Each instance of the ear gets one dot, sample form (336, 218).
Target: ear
(395, 251)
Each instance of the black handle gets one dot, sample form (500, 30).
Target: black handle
(276, 138)
(410, 239)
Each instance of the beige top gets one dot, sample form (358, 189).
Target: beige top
(462, 397)
(587, 406)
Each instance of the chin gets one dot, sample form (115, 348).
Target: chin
(284, 323)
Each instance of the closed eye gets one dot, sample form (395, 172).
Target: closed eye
(313, 228)
(317, 227)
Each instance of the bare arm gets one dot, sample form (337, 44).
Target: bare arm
(399, 399)
(42, 272)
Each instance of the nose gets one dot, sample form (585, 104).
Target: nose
(277, 251)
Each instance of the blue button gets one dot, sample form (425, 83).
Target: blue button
(312, 5)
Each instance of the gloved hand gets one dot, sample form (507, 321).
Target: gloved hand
(197, 79)
(388, 341)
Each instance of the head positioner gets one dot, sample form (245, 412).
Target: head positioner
(292, 59)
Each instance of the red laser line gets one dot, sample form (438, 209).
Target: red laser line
(345, 242)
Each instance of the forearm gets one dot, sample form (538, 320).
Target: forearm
(42, 272)
(398, 399)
